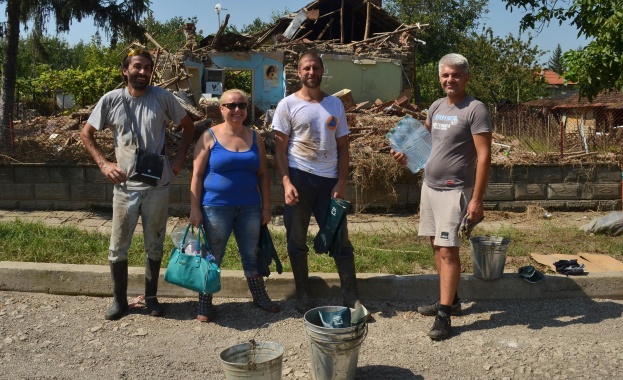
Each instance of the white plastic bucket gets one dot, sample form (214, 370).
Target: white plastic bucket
(334, 352)
(253, 360)
(488, 256)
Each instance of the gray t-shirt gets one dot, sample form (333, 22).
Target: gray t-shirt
(150, 112)
(452, 161)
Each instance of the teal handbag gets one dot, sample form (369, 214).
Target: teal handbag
(194, 272)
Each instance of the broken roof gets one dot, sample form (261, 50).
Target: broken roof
(356, 21)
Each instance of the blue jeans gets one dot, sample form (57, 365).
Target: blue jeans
(314, 198)
(152, 205)
(244, 221)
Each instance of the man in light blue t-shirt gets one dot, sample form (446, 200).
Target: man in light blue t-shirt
(455, 179)
(312, 153)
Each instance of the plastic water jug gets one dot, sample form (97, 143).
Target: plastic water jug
(410, 137)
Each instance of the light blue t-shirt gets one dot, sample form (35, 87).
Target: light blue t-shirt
(312, 129)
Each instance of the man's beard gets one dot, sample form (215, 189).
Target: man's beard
(312, 83)
(132, 79)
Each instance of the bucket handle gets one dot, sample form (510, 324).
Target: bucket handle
(254, 343)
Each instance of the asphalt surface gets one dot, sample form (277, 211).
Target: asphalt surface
(51, 325)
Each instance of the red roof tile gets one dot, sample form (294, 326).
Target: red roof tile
(554, 79)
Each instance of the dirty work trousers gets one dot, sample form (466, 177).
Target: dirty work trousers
(314, 198)
(152, 205)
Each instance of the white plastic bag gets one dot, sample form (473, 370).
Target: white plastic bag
(190, 246)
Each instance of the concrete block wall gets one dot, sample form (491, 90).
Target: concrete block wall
(553, 187)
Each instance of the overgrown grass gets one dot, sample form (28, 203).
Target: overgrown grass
(396, 252)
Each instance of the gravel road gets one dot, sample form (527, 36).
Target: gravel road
(46, 336)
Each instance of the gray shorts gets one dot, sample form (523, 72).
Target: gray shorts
(441, 212)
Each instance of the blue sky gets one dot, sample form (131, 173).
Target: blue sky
(245, 11)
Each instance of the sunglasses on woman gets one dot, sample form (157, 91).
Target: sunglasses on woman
(233, 106)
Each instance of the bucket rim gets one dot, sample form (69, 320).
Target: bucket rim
(274, 347)
(484, 239)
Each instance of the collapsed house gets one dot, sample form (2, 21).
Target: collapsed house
(368, 57)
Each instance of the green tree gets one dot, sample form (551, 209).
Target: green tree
(556, 63)
(258, 25)
(169, 34)
(114, 18)
(449, 22)
(599, 65)
(503, 69)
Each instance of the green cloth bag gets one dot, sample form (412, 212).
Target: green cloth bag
(329, 234)
(267, 253)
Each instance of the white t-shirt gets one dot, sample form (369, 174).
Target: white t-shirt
(150, 112)
(312, 129)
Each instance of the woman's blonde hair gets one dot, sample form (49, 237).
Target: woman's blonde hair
(221, 101)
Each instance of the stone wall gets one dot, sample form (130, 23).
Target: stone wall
(562, 188)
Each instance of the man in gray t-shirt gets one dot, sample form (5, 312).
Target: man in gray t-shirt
(138, 115)
(455, 179)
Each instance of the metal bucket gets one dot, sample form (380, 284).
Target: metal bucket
(334, 351)
(488, 256)
(253, 360)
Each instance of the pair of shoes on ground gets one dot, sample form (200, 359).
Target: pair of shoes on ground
(442, 325)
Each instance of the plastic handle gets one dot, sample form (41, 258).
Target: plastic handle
(200, 232)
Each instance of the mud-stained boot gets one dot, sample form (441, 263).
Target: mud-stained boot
(348, 280)
(260, 297)
(119, 274)
(205, 313)
(300, 271)
(152, 274)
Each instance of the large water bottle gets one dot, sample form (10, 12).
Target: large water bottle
(410, 137)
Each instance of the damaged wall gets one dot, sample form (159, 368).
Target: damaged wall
(268, 86)
(388, 87)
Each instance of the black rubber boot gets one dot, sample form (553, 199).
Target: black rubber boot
(205, 312)
(300, 271)
(348, 280)
(119, 274)
(260, 297)
(152, 274)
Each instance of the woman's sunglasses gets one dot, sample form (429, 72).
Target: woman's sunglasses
(233, 106)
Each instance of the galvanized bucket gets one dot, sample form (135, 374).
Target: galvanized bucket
(253, 360)
(489, 256)
(334, 351)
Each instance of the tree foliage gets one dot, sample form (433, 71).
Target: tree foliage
(556, 63)
(448, 22)
(599, 65)
(114, 18)
(503, 69)
(170, 33)
(258, 25)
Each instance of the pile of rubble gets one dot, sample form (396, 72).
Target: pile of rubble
(56, 139)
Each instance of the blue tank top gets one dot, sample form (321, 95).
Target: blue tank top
(231, 177)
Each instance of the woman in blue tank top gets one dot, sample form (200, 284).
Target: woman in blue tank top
(229, 192)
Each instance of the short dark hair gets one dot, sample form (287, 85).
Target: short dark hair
(312, 55)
